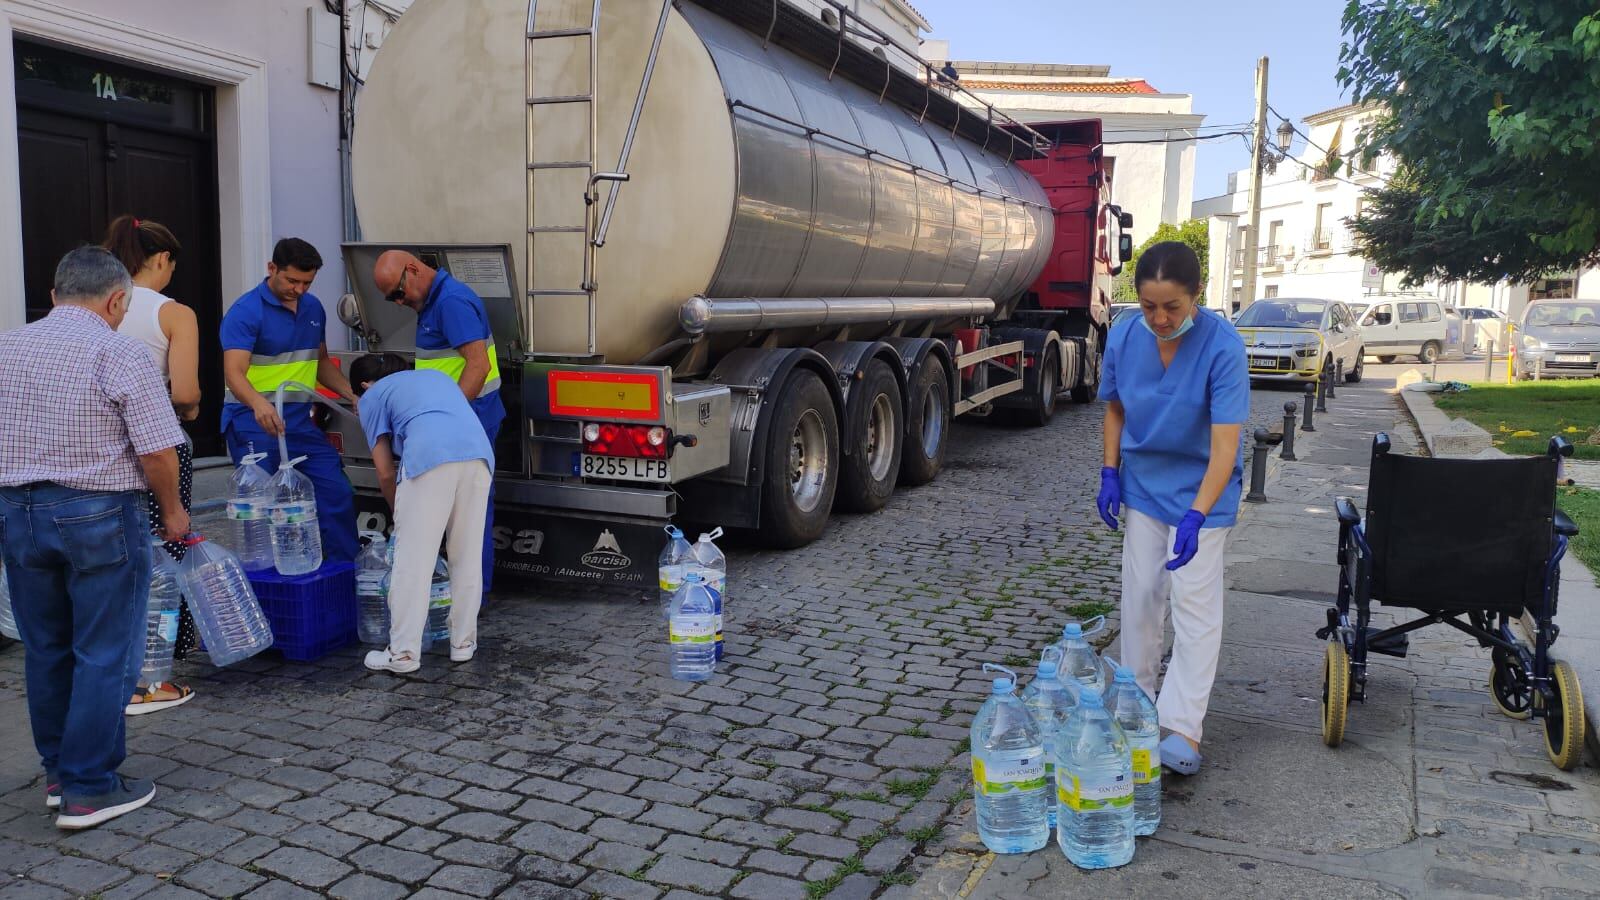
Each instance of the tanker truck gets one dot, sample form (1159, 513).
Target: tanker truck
(740, 268)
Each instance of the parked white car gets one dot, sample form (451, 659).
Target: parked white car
(1483, 327)
(1409, 326)
(1292, 339)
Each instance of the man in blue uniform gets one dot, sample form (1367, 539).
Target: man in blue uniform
(453, 337)
(270, 336)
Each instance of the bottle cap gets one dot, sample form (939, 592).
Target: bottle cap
(692, 578)
(1090, 696)
(1072, 630)
(1001, 686)
(1004, 684)
(674, 532)
(1124, 675)
(1048, 669)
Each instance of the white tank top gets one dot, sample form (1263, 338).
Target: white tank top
(143, 323)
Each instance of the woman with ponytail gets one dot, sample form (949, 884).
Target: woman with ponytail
(149, 251)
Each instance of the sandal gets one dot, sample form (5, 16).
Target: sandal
(159, 696)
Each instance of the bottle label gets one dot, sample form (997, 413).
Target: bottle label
(1146, 765)
(293, 513)
(439, 596)
(692, 630)
(169, 626)
(244, 510)
(1005, 771)
(1105, 795)
(670, 580)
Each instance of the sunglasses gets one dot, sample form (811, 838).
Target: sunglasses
(399, 292)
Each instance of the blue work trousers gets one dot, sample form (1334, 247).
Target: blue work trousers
(78, 566)
(493, 431)
(336, 509)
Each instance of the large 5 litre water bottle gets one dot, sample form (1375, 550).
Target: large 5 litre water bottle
(222, 602)
(1050, 701)
(1079, 662)
(1094, 787)
(250, 511)
(670, 567)
(161, 618)
(372, 595)
(692, 631)
(1009, 789)
(8, 621)
(1137, 717)
(712, 566)
(438, 627)
(296, 540)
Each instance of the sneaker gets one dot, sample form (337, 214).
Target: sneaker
(86, 812)
(157, 697)
(386, 660)
(463, 653)
(52, 796)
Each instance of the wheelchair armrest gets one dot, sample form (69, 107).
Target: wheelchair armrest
(1564, 525)
(1348, 514)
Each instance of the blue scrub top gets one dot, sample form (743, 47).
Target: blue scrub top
(260, 323)
(452, 316)
(1166, 435)
(427, 419)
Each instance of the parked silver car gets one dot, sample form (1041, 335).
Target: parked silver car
(1559, 339)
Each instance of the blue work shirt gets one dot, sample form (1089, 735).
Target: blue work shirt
(260, 323)
(1166, 434)
(427, 419)
(452, 317)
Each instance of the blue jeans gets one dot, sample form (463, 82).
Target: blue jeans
(78, 564)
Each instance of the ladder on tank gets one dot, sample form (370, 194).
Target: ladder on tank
(563, 153)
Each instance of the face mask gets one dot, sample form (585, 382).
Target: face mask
(1180, 332)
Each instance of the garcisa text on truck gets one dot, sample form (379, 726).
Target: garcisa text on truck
(740, 268)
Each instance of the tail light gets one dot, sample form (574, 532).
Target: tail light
(605, 439)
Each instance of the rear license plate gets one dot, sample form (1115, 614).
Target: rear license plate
(1572, 358)
(627, 468)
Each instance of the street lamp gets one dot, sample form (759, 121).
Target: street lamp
(1285, 135)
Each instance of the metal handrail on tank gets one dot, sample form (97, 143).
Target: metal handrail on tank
(283, 436)
(633, 121)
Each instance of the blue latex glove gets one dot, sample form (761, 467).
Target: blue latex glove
(1188, 542)
(1110, 500)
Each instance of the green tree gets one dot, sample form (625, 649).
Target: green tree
(1195, 232)
(1490, 109)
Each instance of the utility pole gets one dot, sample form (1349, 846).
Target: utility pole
(1258, 151)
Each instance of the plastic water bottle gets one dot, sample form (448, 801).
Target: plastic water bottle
(671, 566)
(8, 621)
(1009, 789)
(692, 631)
(249, 512)
(1079, 662)
(161, 619)
(372, 594)
(296, 540)
(1137, 717)
(222, 602)
(711, 565)
(1050, 702)
(438, 627)
(1094, 787)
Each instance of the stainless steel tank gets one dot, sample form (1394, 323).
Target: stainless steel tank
(753, 173)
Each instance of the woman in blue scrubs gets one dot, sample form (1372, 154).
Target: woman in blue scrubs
(1177, 391)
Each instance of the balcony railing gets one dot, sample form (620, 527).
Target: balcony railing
(1267, 256)
(1321, 239)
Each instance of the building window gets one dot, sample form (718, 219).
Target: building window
(1271, 291)
(1322, 235)
(1553, 289)
(1274, 251)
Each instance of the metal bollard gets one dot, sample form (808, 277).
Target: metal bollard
(1258, 469)
(1289, 411)
(1488, 362)
(1311, 394)
(1322, 394)
(1338, 376)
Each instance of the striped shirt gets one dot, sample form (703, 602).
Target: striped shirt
(79, 404)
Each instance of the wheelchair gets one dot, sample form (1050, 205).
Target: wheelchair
(1473, 544)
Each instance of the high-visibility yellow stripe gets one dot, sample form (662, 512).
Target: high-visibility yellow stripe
(450, 361)
(268, 378)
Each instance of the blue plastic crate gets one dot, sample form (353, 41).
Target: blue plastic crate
(311, 614)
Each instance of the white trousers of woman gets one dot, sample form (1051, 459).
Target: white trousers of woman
(1195, 596)
(451, 499)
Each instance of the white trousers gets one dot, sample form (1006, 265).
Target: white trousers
(449, 500)
(1195, 595)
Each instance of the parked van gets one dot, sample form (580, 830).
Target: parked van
(1409, 326)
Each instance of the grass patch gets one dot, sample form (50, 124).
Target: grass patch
(1017, 660)
(916, 788)
(825, 886)
(784, 842)
(924, 834)
(900, 878)
(829, 811)
(868, 841)
(1545, 408)
(1584, 508)
(638, 874)
(915, 731)
(869, 796)
(1091, 608)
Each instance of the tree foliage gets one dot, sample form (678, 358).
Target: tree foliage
(1492, 111)
(1195, 232)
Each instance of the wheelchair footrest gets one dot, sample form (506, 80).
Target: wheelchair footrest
(1392, 645)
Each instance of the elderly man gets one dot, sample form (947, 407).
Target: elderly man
(86, 426)
(453, 337)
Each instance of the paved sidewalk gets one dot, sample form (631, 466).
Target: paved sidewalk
(1433, 793)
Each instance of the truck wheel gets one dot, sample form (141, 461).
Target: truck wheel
(1043, 407)
(802, 463)
(867, 475)
(927, 423)
(1430, 353)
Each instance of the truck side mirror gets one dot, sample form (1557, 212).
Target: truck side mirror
(1125, 219)
(1125, 243)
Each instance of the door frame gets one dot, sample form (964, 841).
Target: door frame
(244, 188)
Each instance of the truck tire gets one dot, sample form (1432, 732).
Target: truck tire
(802, 463)
(1043, 407)
(927, 423)
(867, 474)
(1089, 385)
(1430, 353)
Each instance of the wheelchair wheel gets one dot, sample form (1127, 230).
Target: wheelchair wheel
(1563, 724)
(1335, 693)
(1508, 685)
